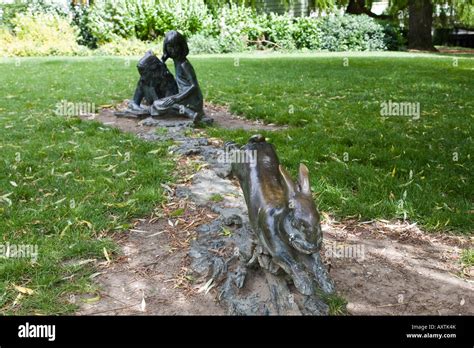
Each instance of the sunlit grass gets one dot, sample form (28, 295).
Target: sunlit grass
(66, 184)
(362, 164)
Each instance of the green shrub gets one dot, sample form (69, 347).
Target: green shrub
(110, 20)
(128, 47)
(353, 33)
(39, 34)
(146, 19)
(231, 29)
(280, 31)
(307, 33)
(187, 16)
(8, 11)
(48, 6)
(238, 18)
(82, 21)
(232, 42)
(227, 28)
(395, 38)
(6, 38)
(200, 43)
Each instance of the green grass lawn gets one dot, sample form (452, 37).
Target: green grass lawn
(65, 185)
(363, 164)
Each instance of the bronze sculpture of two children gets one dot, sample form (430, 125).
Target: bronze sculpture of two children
(164, 94)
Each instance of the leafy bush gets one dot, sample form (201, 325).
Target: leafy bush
(241, 19)
(395, 38)
(128, 47)
(232, 42)
(354, 33)
(200, 43)
(145, 14)
(82, 21)
(8, 11)
(337, 33)
(307, 33)
(226, 28)
(187, 16)
(39, 34)
(145, 19)
(280, 31)
(48, 6)
(110, 20)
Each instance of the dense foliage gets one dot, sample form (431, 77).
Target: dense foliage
(228, 28)
(40, 34)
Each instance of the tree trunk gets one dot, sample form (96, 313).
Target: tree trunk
(420, 20)
(357, 7)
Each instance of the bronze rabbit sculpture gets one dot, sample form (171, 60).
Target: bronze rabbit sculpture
(283, 216)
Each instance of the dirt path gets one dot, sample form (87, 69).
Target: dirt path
(403, 271)
(151, 276)
(380, 267)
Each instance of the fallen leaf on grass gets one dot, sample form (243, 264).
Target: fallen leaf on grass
(101, 157)
(143, 305)
(87, 223)
(17, 299)
(91, 300)
(138, 231)
(106, 254)
(23, 290)
(121, 204)
(5, 199)
(63, 232)
(60, 201)
(122, 173)
(93, 275)
(206, 287)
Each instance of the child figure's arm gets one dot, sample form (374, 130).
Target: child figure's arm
(188, 72)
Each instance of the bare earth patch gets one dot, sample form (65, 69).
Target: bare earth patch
(403, 271)
(220, 114)
(152, 277)
(223, 118)
(380, 267)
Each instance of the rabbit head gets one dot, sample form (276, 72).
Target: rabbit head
(302, 223)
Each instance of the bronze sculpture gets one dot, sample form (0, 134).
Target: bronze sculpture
(189, 101)
(164, 94)
(283, 217)
(155, 82)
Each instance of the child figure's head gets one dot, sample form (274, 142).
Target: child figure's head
(175, 46)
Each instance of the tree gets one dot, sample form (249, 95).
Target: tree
(362, 7)
(420, 16)
(420, 20)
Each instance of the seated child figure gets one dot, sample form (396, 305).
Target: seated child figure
(189, 100)
(155, 82)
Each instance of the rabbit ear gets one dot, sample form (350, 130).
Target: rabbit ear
(303, 180)
(290, 185)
